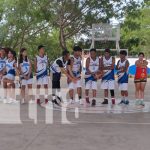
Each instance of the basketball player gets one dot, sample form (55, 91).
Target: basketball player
(122, 72)
(60, 66)
(26, 76)
(140, 79)
(41, 65)
(75, 72)
(9, 79)
(108, 79)
(91, 76)
(3, 59)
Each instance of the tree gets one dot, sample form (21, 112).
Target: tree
(74, 16)
(136, 30)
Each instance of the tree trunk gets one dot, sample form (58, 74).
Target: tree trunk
(62, 39)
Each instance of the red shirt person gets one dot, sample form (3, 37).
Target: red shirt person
(140, 79)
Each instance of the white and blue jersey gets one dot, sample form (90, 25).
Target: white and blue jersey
(108, 74)
(76, 68)
(122, 76)
(2, 63)
(57, 65)
(25, 68)
(93, 67)
(42, 63)
(10, 69)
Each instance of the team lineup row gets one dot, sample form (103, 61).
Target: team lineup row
(96, 68)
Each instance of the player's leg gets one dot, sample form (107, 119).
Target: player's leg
(30, 93)
(23, 87)
(125, 88)
(5, 87)
(46, 92)
(111, 87)
(142, 89)
(5, 90)
(79, 91)
(38, 93)
(1, 87)
(55, 89)
(23, 99)
(13, 88)
(120, 87)
(45, 83)
(87, 88)
(122, 97)
(71, 87)
(94, 92)
(137, 92)
(104, 86)
(11, 91)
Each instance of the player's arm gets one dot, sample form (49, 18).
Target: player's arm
(88, 72)
(117, 66)
(81, 67)
(4, 71)
(16, 69)
(100, 72)
(19, 68)
(101, 64)
(35, 65)
(48, 65)
(63, 70)
(137, 63)
(126, 66)
(113, 64)
(145, 63)
(70, 66)
(30, 70)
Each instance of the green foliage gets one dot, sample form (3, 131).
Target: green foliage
(28, 23)
(136, 31)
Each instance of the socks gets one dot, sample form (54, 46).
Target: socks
(126, 98)
(94, 98)
(53, 97)
(46, 96)
(123, 98)
(80, 97)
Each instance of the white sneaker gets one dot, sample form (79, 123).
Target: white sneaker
(5, 100)
(1, 99)
(9, 101)
(31, 102)
(22, 101)
(71, 101)
(81, 102)
(14, 101)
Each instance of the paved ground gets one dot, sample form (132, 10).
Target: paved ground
(85, 132)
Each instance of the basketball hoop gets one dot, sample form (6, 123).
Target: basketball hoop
(105, 32)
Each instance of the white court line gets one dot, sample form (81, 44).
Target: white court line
(84, 122)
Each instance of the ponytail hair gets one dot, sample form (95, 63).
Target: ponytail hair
(21, 57)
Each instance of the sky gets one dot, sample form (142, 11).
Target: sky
(115, 21)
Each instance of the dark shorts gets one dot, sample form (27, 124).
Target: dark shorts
(56, 84)
(140, 80)
(56, 80)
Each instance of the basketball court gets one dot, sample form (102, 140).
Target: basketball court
(96, 128)
(78, 127)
